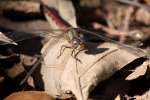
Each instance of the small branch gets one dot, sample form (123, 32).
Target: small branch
(127, 18)
(136, 4)
(126, 23)
(110, 31)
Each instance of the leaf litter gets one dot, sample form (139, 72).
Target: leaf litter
(100, 61)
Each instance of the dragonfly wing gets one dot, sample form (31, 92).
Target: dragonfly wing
(15, 36)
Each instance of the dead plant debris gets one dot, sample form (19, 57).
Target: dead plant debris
(74, 49)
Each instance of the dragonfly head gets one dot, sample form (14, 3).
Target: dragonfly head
(77, 42)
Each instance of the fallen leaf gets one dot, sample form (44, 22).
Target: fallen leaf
(145, 96)
(139, 71)
(66, 74)
(65, 12)
(117, 97)
(29, 95)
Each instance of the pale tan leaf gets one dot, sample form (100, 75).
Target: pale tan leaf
(117, 97)
(30, 82)
(66, 74)
(65, 10)
(139, 71)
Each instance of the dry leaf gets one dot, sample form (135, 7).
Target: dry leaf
(145, 96)
(65, 10)
(139, 71)
(117, 97)
(66, 74)
(29, 95)
(30, 82)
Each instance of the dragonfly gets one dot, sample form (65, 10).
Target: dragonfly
(74, 36)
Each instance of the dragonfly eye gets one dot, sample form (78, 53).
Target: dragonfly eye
(75, 42)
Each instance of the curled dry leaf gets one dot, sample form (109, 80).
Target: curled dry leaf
(66, 74)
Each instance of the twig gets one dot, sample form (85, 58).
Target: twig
(126, 23)
(136, 4)
(127, 18)
(31, 70)
(110, 31)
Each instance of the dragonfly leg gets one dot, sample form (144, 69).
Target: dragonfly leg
(75, 56)
(62, 49)
(73, 52)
